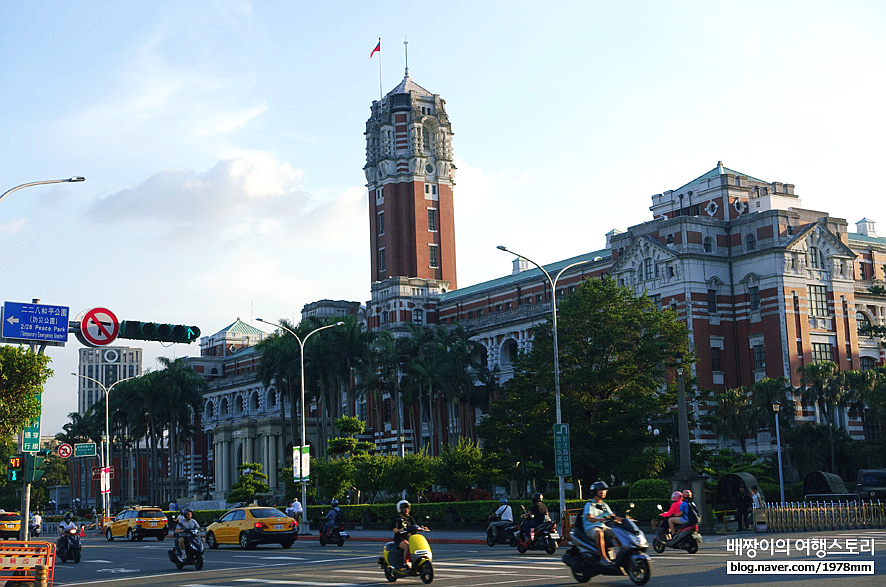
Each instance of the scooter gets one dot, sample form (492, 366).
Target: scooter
(334, 534)
(34, 530)
(686, 537)
(542, 537)
(420, 555)
(69, 545)
(502, 535)
(626, 547)
(193, 554)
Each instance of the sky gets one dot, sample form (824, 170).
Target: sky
(223, 149)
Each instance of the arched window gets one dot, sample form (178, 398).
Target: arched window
(864, 323)
(750, 242)
(253, 402)
(708, 244)
(868, 363)
(224, 406)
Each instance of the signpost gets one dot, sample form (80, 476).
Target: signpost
(97, 473)
(65, 450)
(35, 322)
(301, 467)
(84, 449)
(31, 436)
(562, 453)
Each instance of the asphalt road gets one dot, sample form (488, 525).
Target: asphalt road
(307, 564)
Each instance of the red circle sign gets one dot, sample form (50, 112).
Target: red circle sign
(65, 450)
(99, 326)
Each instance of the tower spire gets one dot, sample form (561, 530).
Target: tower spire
(406, 51)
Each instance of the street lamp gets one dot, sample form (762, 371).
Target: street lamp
(75, 179)
(106, 450)
(553, 283)
(776, 407)
(301, 344)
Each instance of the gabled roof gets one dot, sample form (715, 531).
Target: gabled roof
(835, 241)
(639, 242)
(717, 171)
(240, 327)
(407, 85)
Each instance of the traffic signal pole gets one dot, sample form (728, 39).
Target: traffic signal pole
(26, 498)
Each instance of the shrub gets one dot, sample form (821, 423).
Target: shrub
(649, 489)
(619, 492)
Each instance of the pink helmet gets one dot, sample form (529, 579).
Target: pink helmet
(676, 496)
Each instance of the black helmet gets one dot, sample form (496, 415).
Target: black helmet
(599, 486)
(188, 511)
(334, 502)
(68, 516)
(537, 497)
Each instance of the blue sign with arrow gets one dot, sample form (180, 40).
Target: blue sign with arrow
(35, 322)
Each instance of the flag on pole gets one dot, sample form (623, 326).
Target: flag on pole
(376, 50)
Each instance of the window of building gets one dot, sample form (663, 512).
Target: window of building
(539, 298)
(759, 357)
(712, 301)
(750, 242)
(715, 360)
(433, 260)
(822, 351)
(432, 219)
(418, 316)
(384, 317)
(863, 322)
(387, 409)
(708, 244)
(818, 300)
(814, 258)
(479, 313)
(754, 296)
(670, 239)
(381, 260)
(470, 314)
(507, 305)
(380, 224)
(647, 268)
(868, 363)
(498, 307)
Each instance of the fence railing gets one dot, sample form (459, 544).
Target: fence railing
(816, 516)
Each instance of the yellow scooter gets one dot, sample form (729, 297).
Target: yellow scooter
(420, 555)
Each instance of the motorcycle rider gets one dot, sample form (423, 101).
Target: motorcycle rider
(331, 519)
(36, 524)
(537, 514)
(63, 528)
(185, 522)
(595, 512)
(693, 515)
(505, 516)
(677, 514)
(400, 527)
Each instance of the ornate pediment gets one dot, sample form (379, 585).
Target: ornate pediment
(646, 264)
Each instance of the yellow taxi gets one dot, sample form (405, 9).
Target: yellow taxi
(251, 525)
(138, 522)
(10, 525)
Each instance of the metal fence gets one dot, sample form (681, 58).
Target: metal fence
(815, 516)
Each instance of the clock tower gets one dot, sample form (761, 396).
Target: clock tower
(409, 173)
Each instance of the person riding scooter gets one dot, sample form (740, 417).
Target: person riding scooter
(185, 522)
(678, 513)
(595, 512)
(503, 517)
(537, 514)
(400, 527)
(331, 519)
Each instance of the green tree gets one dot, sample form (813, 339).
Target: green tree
(348, 444)
(732, 415)
(251, 482)
(822, 389)
(370, 474)
(332, 478)
(22, 376)
(615, 351)
(414, 473)
(460, 466)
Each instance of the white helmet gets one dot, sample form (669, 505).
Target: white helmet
(402, 504)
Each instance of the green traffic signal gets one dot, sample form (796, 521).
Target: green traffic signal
(14, 469)
(162, 332)
(39, 463)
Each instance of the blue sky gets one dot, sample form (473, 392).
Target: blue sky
(223, 144)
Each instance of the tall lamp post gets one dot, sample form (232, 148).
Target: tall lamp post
(106, 450)
(301, 344)
(776, 407)
(685, 470)
(553, 282)
(75, 179)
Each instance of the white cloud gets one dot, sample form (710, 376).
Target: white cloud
(12, 226)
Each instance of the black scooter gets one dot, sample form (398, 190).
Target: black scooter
(193, 554)
(542, 537)
(686, 537)
(626, 547)
(69, 546)
(334, 534)
(502, 535)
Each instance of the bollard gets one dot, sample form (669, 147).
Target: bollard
(40, 576)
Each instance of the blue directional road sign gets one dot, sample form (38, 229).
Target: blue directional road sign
(35, 322)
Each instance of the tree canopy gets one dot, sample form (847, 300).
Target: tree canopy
(22, 376)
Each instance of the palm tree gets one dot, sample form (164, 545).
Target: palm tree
(767, 392)
(822, 389)
(732, 415)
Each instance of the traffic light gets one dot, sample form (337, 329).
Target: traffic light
(14, 469)
(158, 331)
(39, 462)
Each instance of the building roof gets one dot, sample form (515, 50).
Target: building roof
(240, 327)
(862, 238)
(717, 171)
(407, 85)
(534, 273)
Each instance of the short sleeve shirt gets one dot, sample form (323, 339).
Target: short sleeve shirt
(596, 510)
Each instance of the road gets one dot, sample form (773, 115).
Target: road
(307, 564)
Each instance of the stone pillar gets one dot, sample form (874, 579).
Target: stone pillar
(272, 461)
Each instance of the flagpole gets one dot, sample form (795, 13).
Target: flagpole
(380, 91)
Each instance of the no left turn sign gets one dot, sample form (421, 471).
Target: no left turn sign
(65, 450)
(99, 327)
